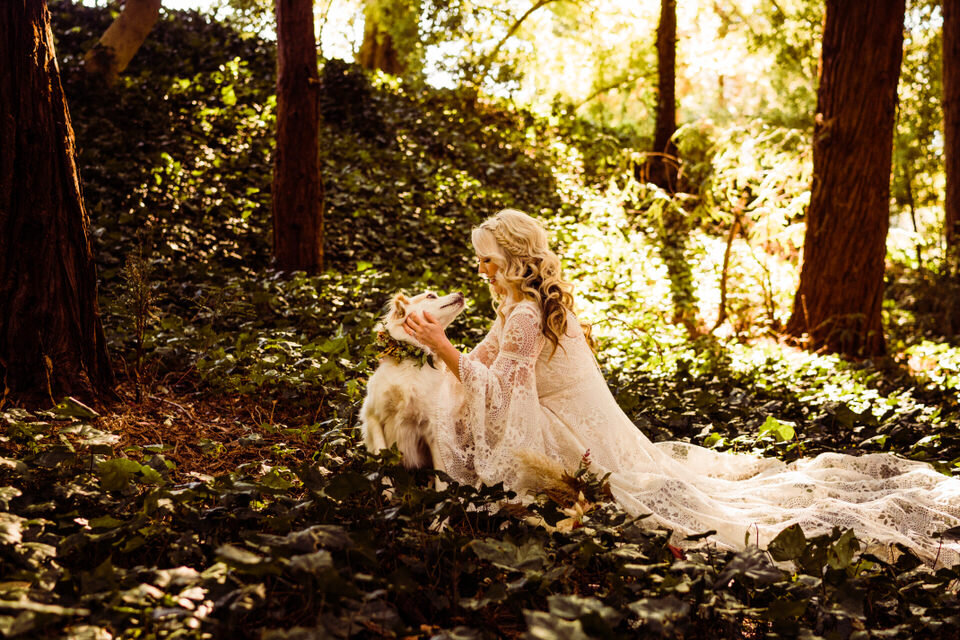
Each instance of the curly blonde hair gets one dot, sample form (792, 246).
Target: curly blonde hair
(518, 245)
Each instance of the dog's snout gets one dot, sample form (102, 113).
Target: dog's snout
(458, 300)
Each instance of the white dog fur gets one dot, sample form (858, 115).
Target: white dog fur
(402, 393)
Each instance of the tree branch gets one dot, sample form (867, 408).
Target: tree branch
(609, 87)
(490, 57)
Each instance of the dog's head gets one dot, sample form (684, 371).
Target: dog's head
(443, 308)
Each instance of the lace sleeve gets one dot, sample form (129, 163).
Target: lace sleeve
(499, 414)
(486, 352)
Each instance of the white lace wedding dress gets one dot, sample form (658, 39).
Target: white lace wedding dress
(515, 397)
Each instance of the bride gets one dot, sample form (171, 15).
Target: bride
(532, 387)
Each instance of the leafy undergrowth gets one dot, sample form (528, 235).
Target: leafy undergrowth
(103, 539)
(756, 399)
(224, 493)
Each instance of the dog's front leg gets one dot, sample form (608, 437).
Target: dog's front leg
(373, 433)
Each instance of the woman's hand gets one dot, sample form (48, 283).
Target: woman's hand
(428, 332)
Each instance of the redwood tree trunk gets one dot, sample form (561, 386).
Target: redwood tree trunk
(663, 167)
(838, 302)
(951, 119)
(377, 50)
(297, 192)
(51, 339)
(122, 39)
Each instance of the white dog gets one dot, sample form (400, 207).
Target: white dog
(404, 389)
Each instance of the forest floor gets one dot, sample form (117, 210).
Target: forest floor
(186, 426)
(233, 500)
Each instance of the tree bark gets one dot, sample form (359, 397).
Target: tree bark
(297, 190)
(51, 339)
(951, 120)
(122, 39)
(391, 37)
(378, 50)
(664, 164)
(838, 302)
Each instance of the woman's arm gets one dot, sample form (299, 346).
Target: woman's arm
(500, 413)
(486, 352)
(512, 371)
(430, 333)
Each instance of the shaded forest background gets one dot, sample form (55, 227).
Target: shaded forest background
(222, 491)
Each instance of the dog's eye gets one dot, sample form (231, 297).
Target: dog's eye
(432, 296)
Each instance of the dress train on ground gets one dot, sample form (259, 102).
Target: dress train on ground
(518, 395)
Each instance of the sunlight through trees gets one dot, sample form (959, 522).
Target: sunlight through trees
(755, 203)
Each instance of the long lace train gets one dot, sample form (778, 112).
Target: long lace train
(518, 396)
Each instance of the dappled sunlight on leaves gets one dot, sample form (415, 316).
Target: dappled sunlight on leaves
(232, 500)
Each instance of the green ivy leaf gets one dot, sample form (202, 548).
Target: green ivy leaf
(16, 465)
(274, 480)
(750, 563)
(506, 555)
(843, 414)
(660, 613)
(315, 564)
(38, 607)
(787, 609)
(116, 474)
(245, 560)
(544, 626)
(73, 408)
(318, 536)
(228, 95)
(11, 528)
(346, 484)
(840, 553)
(105, 522)
(7, 494)
(779, 429)
(789, 544)
(574, 607)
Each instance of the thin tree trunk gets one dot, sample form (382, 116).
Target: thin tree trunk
(377, 50)
(912, 207)
(735, 227)
(297, 190)
(391, 37)
(951, 120)
(838, 302)
(664, 164)
(51, 339)
(122, 39)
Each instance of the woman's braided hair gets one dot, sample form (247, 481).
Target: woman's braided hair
(528, 267)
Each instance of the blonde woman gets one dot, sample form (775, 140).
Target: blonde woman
(532, 392)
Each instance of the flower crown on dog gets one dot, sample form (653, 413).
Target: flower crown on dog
(400, 350)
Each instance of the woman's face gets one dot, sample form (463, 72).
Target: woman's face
(488, 269)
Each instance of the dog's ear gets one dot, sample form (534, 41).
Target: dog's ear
(399, 305)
